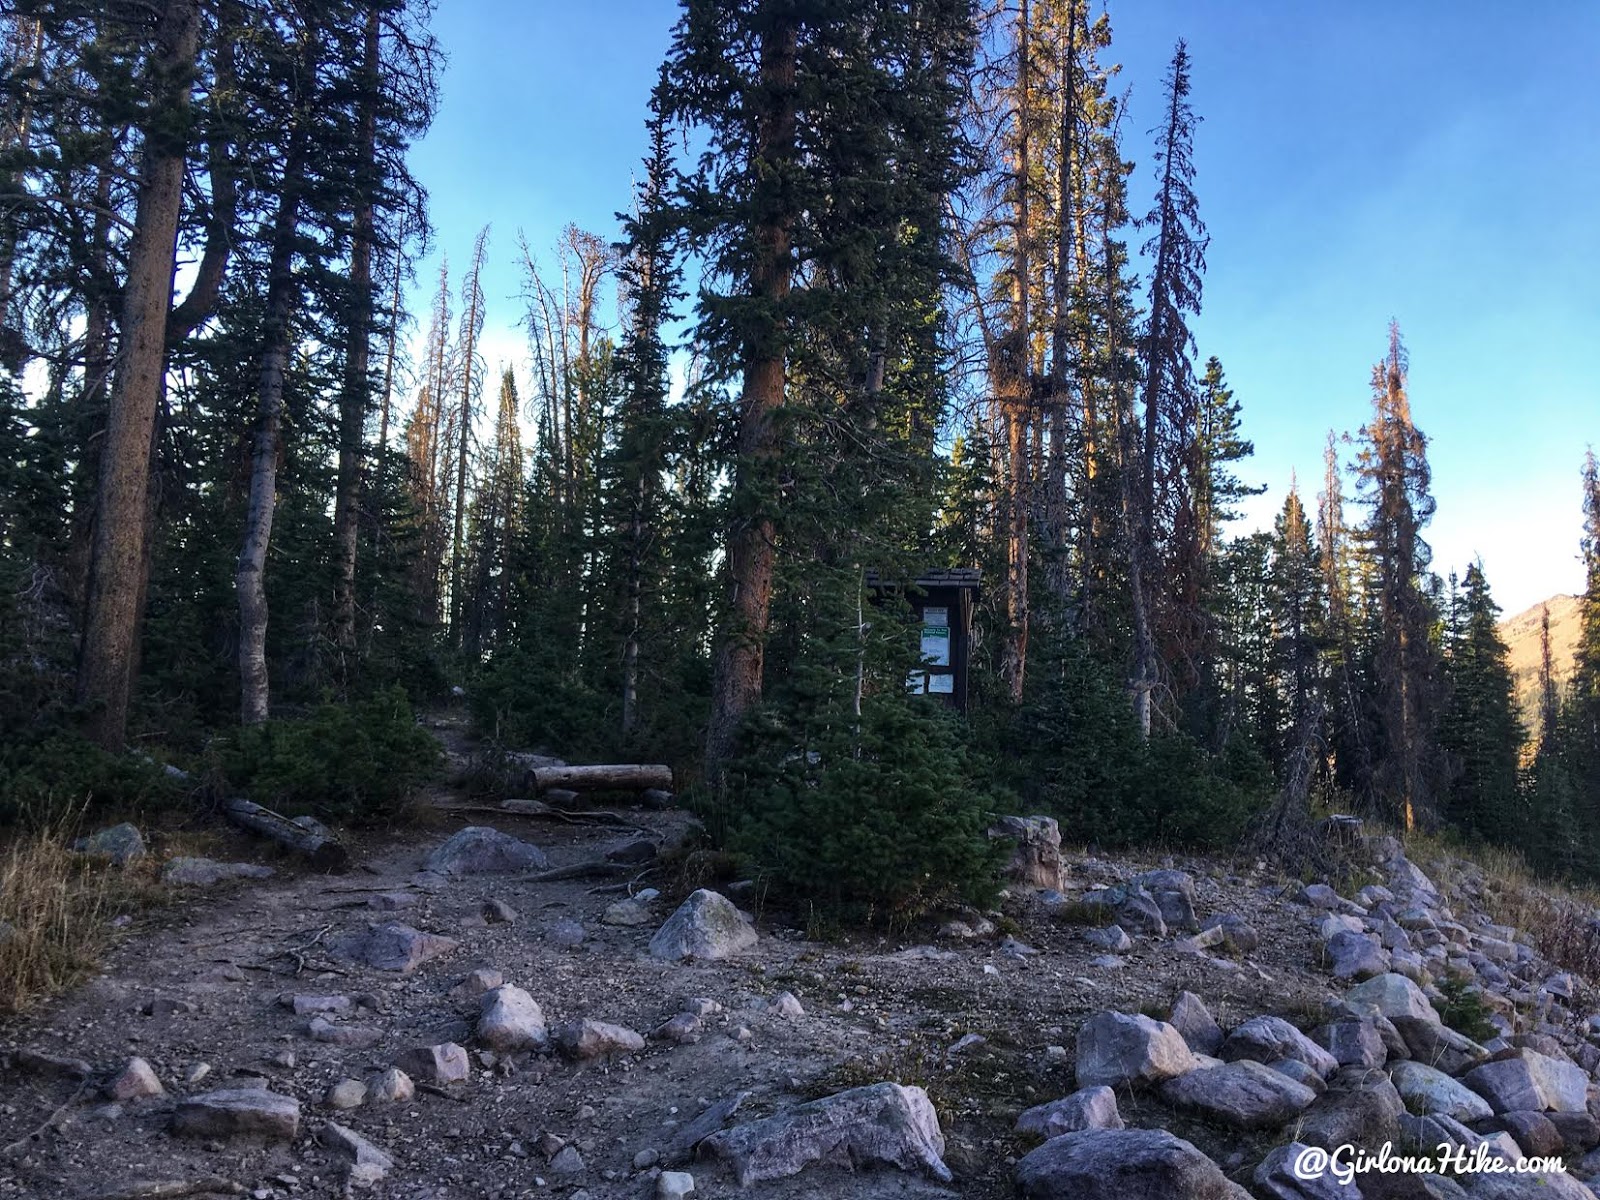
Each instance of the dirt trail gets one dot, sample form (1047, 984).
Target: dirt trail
(214, 966)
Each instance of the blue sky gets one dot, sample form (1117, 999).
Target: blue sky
(1437, 162)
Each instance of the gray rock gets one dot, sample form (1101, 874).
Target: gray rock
(1440, 1046)
(392, 946)
(567, 1161)
(1365, 1115)
(134, 1082)
(1243, 1095)
(347, 1093)
(1173, 892)
(1353, 1042)
(1319, 895)
(481, 850)
(320, 1029)
(1036, 850)
(45, 1065)
(204, 872)
(1427, 1091)
(1195, 1024)
(1275, 1179)
(706, 926)
(632, 852)
(1238, 935)
(1108, 937)
(1300, 1073)
(1394, 996)
(785, 1004)
(1088, 1108)
(1356, 955)
(716, 1116)
(392, 1086)
(1265, 1039)
(365, 1163)
(476, 982)
(438, 1065)
(583, 1040)
(1122, 1164)
(565, 932)
(626, 914)
(674, 1185)
(1535, 1133)
(510, 1019)
(122, 844)
(1117, 1048)
(1580, 1132)
(1529, 1081)
(881, 1123)
(681, 1029)
(238, 1112)
(1131, 907)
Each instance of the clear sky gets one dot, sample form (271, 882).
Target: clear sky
(1435, 161)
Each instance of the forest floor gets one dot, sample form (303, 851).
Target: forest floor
(200, 981)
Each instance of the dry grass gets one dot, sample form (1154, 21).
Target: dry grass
(57, 909)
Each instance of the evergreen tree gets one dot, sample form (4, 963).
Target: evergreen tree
(1480, 728)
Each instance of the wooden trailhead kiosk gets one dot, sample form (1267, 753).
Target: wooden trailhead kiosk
(942, 601)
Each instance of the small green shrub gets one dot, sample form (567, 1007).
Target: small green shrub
(46, 777)
(1464, 1010)
(354, 762)
(873, 821)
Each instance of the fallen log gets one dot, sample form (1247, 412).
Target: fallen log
(620, 776)
(304, 835)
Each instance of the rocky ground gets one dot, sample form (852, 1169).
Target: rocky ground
(460, 1017)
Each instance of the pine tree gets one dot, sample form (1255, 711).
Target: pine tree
(1480, 728)
(1393, 470)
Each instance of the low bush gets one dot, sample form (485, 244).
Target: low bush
(45, 777)
(355, 762)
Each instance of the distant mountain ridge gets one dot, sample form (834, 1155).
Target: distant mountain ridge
(1521, 634)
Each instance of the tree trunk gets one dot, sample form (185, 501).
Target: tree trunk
(250, 575)
(353, 399)
(470, 320)
(304, 835)
(736, 685)
(119, 562)
(619, 776)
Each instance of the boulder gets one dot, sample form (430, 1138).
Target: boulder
(482, 850)
(1356, 955)
(365, 1163)
(1395, 997)
(1195, 1024)
(1238, 935)
(1088, 1108)
(238, 1112)
(1109, 937)
(1536, 1134)
(1035, 850)
(391, 946)
(121, 844)
(1122, 1164)
(134, 1082)
(1367, 1114)
(881, 1123)
(438, 1065)
(1427, 1091)
(583, 1040)
(705, 926)
(1117, 1048)
(1242, 1095)
(1265, 1039)
(1173, 892)
(1353, 1042)
(1300, 1073)
(1526, 1080)
(204, 872)
(1580, 1132)
(1440, 1045)
(1276, 1178)
(1131, 907)
(392, 1086)
(1556, 1185)
(674, 1185)
(510, 1019)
